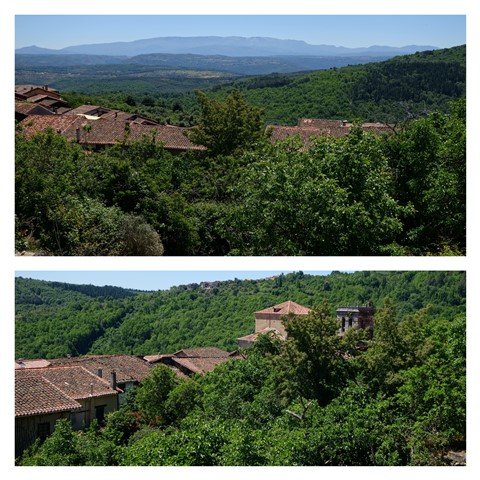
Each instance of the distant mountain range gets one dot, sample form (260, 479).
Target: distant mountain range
(229, 46)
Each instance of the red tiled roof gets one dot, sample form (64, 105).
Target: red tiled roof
(42, 97)
(35, 395)
(319, 123)
(128, 368)
(310, 128)
(110, 113)
(195, 360)
(208, 352)
(76, 382)
(156, 358)
(105, 131)
(200, 364)
(29, 109)
(34, 124)
(23, 89)
(286, 308)
(88, 110)
(26, 89)
(279, 133)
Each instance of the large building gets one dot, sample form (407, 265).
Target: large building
(360, 316)
(270, 320)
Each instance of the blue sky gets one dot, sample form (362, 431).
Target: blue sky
(148, 280)
(58, 31)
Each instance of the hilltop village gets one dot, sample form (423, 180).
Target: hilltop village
(88, 387)
(38, 108)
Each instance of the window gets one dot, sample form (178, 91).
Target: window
(100, 413)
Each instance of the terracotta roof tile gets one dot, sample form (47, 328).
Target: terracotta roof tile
(26, 89)
(34, 124)
(35, 395)
(286, 308)
(104, 131)
(76, 382)
(200, 364)
(88, 110)
(207, 352)
(128, 368)
(156, 358)
(310, 128)
(31, 109)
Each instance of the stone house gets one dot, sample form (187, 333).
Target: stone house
(271, 320)
(79, 389)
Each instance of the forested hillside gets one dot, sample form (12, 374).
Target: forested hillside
(388, 91)
(360, 194)
(314, 399)
(54, 319)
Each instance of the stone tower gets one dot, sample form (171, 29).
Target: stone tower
(356, 317)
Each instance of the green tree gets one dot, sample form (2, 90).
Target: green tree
(333, 199)
(225, 127)
(312, 365)
(60, 448)
(153, 393)
(384, 357)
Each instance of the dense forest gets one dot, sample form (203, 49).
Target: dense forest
(54, 319)
(314, 399)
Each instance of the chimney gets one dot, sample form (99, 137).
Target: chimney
(100, 372)
(45, 87)
(113, 379)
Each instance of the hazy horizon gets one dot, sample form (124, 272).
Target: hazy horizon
(351, 31)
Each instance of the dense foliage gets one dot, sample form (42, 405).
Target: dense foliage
(311, 400)
(54, 319)
(361, 194)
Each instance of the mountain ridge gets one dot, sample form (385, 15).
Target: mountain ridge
(216, 45)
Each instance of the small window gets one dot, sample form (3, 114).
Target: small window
(100, 413)
(343, 324)
(350, 322)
